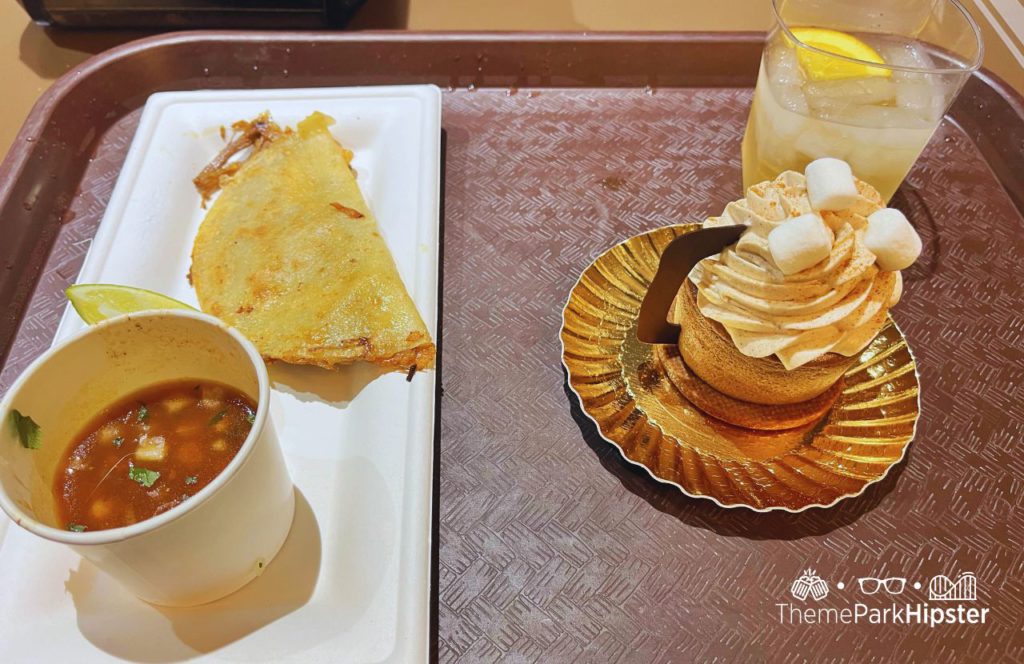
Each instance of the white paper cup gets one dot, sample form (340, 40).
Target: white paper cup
(211, 544)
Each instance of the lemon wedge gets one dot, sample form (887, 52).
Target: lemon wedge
(97, 302)
(820, 67)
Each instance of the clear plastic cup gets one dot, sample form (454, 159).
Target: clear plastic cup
(865, 81)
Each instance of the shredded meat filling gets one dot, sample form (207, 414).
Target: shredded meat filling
(255, 133)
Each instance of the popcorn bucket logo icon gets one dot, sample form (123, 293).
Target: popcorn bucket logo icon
(964, 589)
(809, 583)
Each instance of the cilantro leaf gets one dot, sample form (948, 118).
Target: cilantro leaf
(143, 476)
(29, 433)
(142, 414)
(118, 441)
(191, 479)
(218, 417)
(76, 527)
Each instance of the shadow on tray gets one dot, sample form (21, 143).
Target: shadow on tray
(337, 387)
(130, 629)
(908, 199)
(738, 522)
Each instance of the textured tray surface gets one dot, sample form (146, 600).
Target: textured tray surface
(558, 550)
(552, 548)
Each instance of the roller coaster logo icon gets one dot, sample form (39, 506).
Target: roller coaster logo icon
(942, 589)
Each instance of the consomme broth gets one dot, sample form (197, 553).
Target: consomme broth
(149, 452)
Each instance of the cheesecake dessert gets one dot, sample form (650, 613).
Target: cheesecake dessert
(777, 318)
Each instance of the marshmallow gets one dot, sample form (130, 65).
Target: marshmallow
(830, 184)
(897, 290)
(798, 243)
(892, 240)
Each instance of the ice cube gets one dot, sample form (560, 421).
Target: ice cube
(924, 97)
(783, 66)
(876, 117)
(783, 117)
(907, 54)
(791, 98)
(769, 141)
(823, 106)
(885, 152)
(869, 159)
(780, 82)
(818, 141)
(868, 90)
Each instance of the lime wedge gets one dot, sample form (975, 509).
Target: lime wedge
(97, 302)
(821, 67)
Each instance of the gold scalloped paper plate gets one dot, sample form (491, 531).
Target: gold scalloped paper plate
(637, 409)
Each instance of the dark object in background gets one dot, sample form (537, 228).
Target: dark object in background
(182, 14)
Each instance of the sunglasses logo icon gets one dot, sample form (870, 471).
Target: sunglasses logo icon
(893, 585)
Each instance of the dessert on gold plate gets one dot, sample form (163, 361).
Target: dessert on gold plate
(737, 411)
(778, 317)
(851, 412)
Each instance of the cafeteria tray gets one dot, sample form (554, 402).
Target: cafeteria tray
(549, 547)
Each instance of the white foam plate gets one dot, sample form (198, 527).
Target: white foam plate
(351, 583)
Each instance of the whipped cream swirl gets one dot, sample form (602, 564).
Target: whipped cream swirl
(838, 305)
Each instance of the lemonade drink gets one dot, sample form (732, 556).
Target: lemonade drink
(871, 99)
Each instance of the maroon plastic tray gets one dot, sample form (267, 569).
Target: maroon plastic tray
(550, 547)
